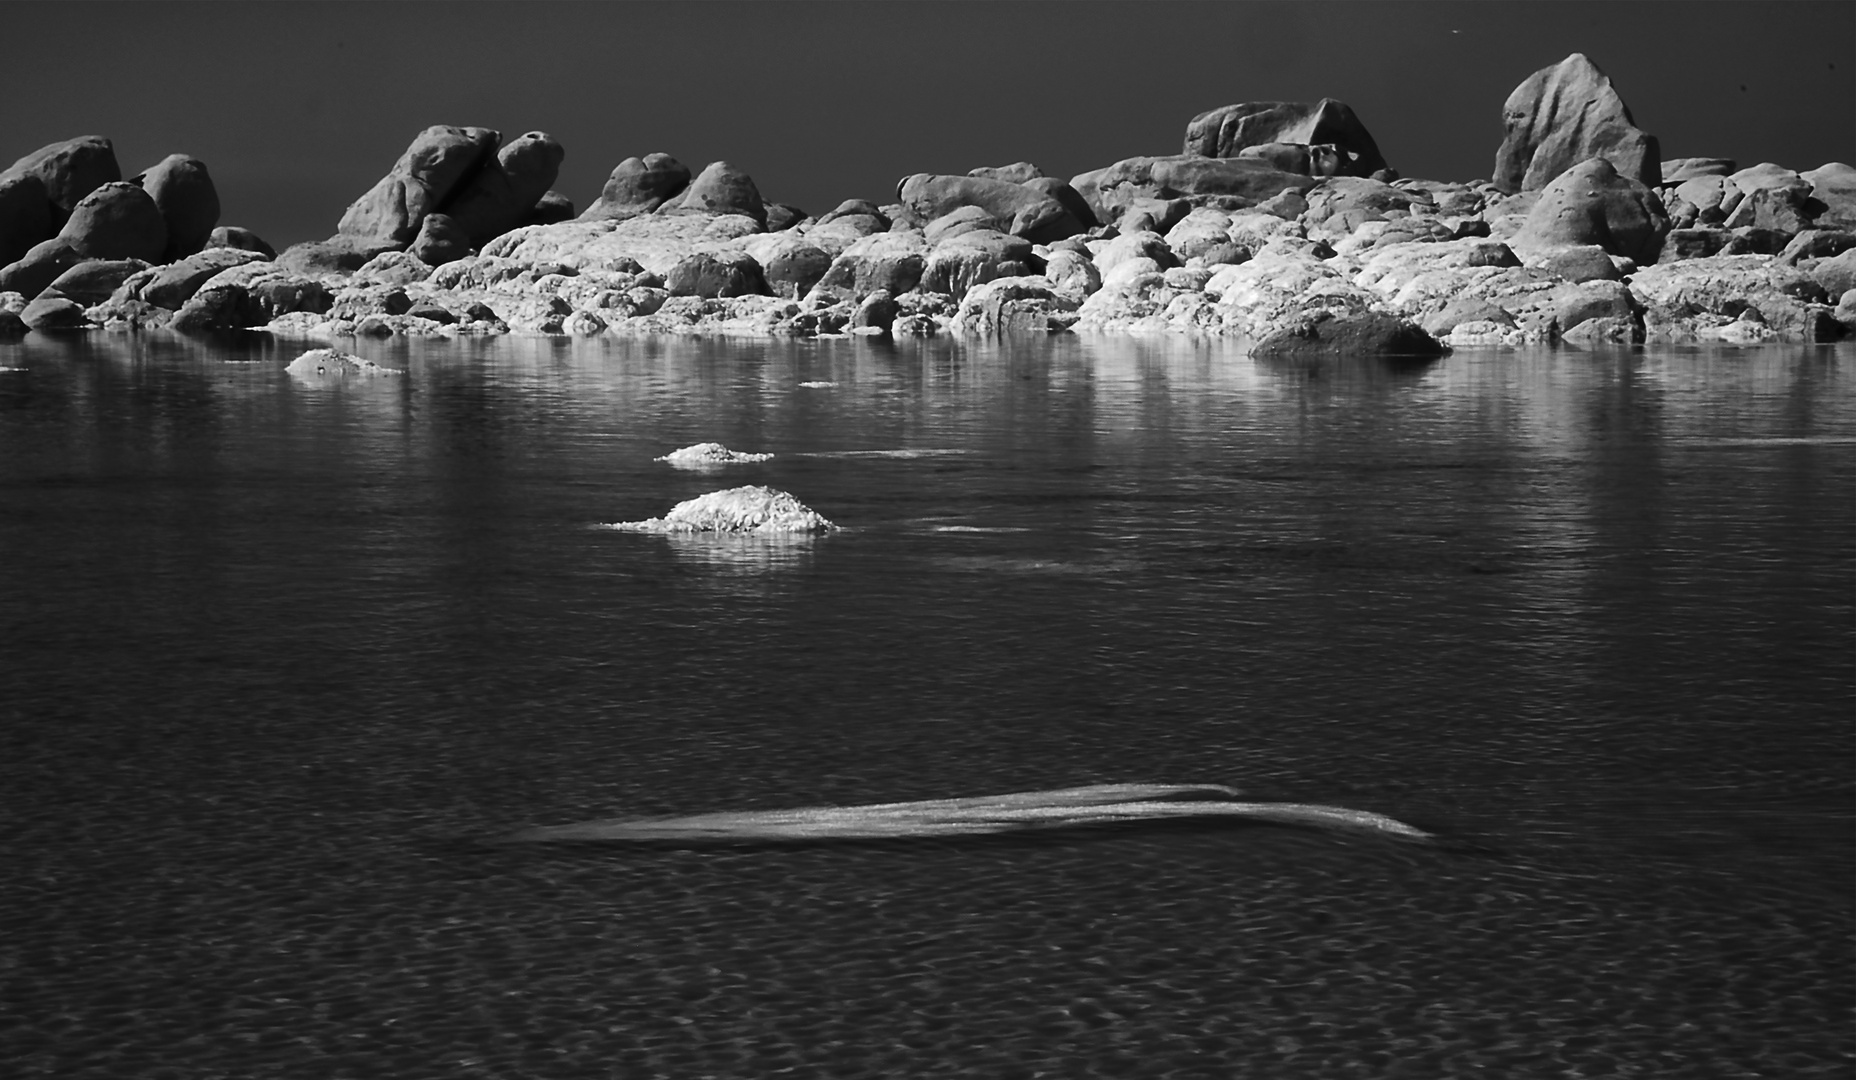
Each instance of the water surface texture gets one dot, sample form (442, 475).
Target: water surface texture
(274, 655)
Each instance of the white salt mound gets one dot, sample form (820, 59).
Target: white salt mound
(751, 509)
(711, 453)
(327, 362)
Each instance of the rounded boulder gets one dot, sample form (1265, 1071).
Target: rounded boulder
(118, 221)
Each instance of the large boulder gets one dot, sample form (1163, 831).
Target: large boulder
(1323, 332)
(439, 161)
(118, 220)
(1834, 185)
(25, 216)
(1227, 132)
(719, 189)
(1016, 173)
(54, 312)
(961, 262)
(234, 236)
(337, 255)
(791, 263)
(1563, 115)
(173, 285)
(1014, 208)
(69, 171)
(189, 204)
(1735, 298)
(94, 280)
(892, 261)
(1679, 170)
(1112, 190)
(638, 186)
(441, 240)
(29, 274)
(1593, 203)
(712, 274)
(1016, 305)
(502, 194)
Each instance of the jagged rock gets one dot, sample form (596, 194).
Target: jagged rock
(441, 240)
(392, 268)
(1782, 208)
(117, 221)
(752, 510)
(1698, 243)
(502, 193)
(1681, 170)
(1752, 240)
(1016, 305)
(183, 191)
(1592, 203)
(961, 262)
(1016, 173)
(68, 171)
(1014, 208)
(720, 188)
(329, 364)
(713, 274)
(53, 312)
(39, 267)
(25, 216)
(437, 162)
(1227, 132)
(1566, 114)
(220, 307)
(638, 186)
(95, 280)
(232, 236)
(1110, 191)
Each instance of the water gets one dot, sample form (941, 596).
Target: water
(273, 655)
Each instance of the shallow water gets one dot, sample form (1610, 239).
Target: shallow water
(273, 654)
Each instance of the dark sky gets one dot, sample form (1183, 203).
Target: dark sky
(298, 107)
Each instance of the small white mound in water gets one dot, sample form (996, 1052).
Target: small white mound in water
(755, 510)
(705, 454)
(326, 363)
(1067, 807)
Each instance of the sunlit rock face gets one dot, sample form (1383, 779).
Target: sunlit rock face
(749, 510)
(1565, 114)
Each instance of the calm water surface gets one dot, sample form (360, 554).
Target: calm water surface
(273, 654)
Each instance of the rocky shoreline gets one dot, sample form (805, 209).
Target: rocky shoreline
(1279, 224)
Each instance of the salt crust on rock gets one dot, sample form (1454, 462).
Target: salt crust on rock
(710, 453)
(743, 510)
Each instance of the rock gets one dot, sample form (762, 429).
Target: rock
(875, 313)
(1016, 173)
(1713, 197)
(441, 240)
(1787, 209)
(392, 268)
(1592, 203)
(551, 209)
(189, 204)
(961, 219)
(117, 221)
(752, 510)
(1766, 176)
(1593, 300)
(1680, 170)
(893, 262)
(1199, 231)
(1016, 305)
(853, 220)
(501, 194)
(1067, 197)
(1110, 190)
(716, 274)
(961, 262)
(1834, 185)
(329, 364)
(1817, 244)
(440, 159)
(719, 189)
(52, 312)
(1752, 240)
(1333, 332)
(11, 325)
(1695, 299)
(68, 171)
(1227, 132)
(1341, 203)
(1289, 205)
(1586, 262)
(638, 186)
(1072, 273)
(1154, 215)
(93, 281)
(25, 216)
(791, 265)
(1566, 114)
(1836, 275)
(1693, 243)
(780, 217)
(1014, 208)
(232, 236)
(336, 255)
(1140, 245)
(1469, 309)
(708, 455)
(31, 273)
(357, 302)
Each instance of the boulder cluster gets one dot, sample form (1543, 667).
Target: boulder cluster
(1279, 223)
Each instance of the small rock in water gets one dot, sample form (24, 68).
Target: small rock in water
(710, 453)
(328, 362)
(752, 509)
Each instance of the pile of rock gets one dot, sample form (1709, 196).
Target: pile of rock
(1280, 223)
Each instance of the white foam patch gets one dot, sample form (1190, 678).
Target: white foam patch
(817, 385)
